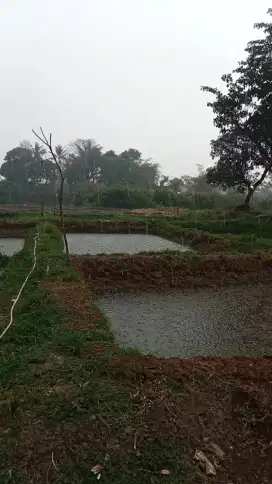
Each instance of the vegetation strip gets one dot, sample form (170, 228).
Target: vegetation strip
(204, 231)
(15, 301)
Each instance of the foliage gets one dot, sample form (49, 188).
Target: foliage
(119, 197)
(243, 116)
(101, 179)
(3, 260)
(27, 166)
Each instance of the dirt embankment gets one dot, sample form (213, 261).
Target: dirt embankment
(14, 229)
(257, 370)
(168, 271)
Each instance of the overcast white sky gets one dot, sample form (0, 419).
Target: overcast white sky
(124, 72)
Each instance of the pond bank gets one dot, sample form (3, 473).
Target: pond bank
(164, 271)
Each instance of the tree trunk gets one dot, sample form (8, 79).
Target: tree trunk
(251, 189)
(249, 198)
(245, 207)
(62, 217)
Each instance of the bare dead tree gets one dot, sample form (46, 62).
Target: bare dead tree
(48, 143)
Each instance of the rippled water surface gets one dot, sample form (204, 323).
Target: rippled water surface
(227, 322)
(9, 246)
(114, 243)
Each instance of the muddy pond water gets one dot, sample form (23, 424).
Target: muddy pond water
(9, 245)
(118, 243)
(223, 322)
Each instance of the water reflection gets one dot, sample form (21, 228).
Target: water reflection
(233, 321)
(116, 243)
(9, 245)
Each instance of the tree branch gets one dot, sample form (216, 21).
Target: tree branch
(261, 179)
(48, 144)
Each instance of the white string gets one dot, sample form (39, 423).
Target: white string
(22, 287)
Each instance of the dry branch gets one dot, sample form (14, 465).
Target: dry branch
(48, 143)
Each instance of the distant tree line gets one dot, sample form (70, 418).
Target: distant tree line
(97, 178)
(94, 177)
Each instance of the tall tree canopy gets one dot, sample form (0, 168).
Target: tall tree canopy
(243, 115)
(28, 169)
(27, 165)
(85, 160)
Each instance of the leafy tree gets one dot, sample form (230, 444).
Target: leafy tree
(165, 197)
(115, 169)
(132, 155)
(120, 197)
(27, 166)
(243, 149)
(83, 161)
(164, 181)
(15, 168)
(128, 169)
(175, 184)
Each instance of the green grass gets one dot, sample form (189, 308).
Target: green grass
(60, 398)
(49, 378)
(203, 229)
(214, 221)
(4, 259)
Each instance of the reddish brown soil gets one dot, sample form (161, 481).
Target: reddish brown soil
(13, 230)
(256, 370)
(169, 271)
(83, 317)
(227, 401)
(191, 403)
(74, 297)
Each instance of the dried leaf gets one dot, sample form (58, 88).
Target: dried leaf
(203, 459)
(138, 453)
(217, 450)
(165, 472)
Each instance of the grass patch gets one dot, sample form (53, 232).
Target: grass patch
(4, 259)
(204, 230)
(49, 376)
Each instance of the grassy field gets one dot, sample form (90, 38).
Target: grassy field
(71, 399)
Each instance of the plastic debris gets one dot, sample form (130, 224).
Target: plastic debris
(97, 470)
(204, 461)
(165, 472)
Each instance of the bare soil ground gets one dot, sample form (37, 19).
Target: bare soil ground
(161, 272)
